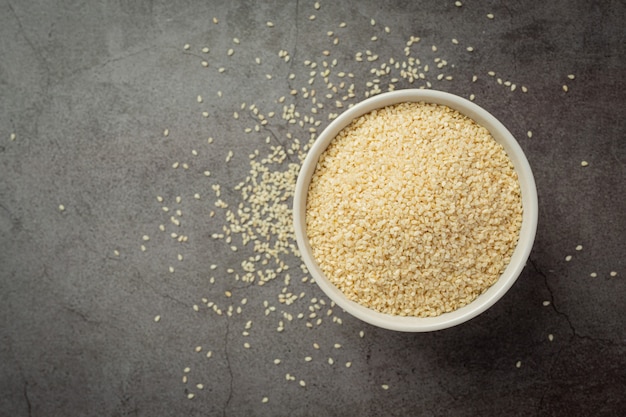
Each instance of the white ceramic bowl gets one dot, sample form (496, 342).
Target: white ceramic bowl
(527, 232)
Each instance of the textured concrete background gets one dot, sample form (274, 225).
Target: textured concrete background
(88, 89)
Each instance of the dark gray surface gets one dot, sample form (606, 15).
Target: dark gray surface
(88, 89)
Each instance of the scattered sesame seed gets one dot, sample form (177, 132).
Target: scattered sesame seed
(12, 136)
(518, 364)
(551, 337)
(302, 383)
(157, 319)
(166, 132)
(312, 17)
(187, 370)
(469, 49)
(565, 88)
(308, 359)
(571, 76)
(215, 20)
(361, 334)
(246, 345)
(529, 134)
(568, 258)
(191, 396)
(186, 47)
(198, 349)
(61, 207)
(579, 247)
(317, 5)
(613, 273)
(331, 361)
(199, 99)
(458, 3)
(385, 386)
(593, 275)
(546, 303)
(264, 400)
(277, 361)
(116, 252)
(490, 16)
(343, 24)
(146, 237)
(584, 163)
(348, 364)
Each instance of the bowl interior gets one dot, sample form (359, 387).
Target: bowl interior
(520, 254)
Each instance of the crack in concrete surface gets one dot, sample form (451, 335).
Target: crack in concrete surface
(568, 320)
(28, 404)
(230, 369)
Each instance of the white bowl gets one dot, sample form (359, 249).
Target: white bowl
(527, 232)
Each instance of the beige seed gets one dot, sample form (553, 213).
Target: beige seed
(215, 20)
(191, 396)
(205, 50)
(584, 163)
(551, 337)
(593, 275)
(186, 47)
(613, 273)
(385, 386)
(61, 207)
(568, 258)
(270, 24)
(277, 361)
(490, 16)
(546, 303)
(157, 319)
(579, 247)
(529, 134)
(302, 383)
(200, 386)
(565, 88)
(348, 364)
(518, 364)
(264, 400)
(571, 76)
(458, 3)
(12, 136)
(166, 132)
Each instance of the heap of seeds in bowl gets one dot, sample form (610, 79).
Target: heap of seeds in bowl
(413, 210)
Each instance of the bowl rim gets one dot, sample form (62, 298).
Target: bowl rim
(527, 232)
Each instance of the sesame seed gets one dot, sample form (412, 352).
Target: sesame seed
(215, 20)
(579, 247)
(199, 99)
(205, 50)
(146, 237)
(546, 303)
(361, 334)
(209, 354)
(246, 345)
(565, 88)
(166, 132)
(191, 396)
(200, 386)
(518, 364)
(613, 273)
(584, 163)
(331, 361)
(529, 134)
(116, 252)
(385, 386)
(277, 361)
(61, 207)
(317, 5)
(469, 49)
(343, 24)
(302, 383)
(551, 337)
(12, 136)
(264, 400)
(312, 17)
(236, 41)
(490, 16)
(593, 275)
(187, 370)
(458, 3)
(308, 359)
(157, 319)
(198, 349)
(337, 346)
(373, 22)
(348, 364)
(186, 47)
(568, 258)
